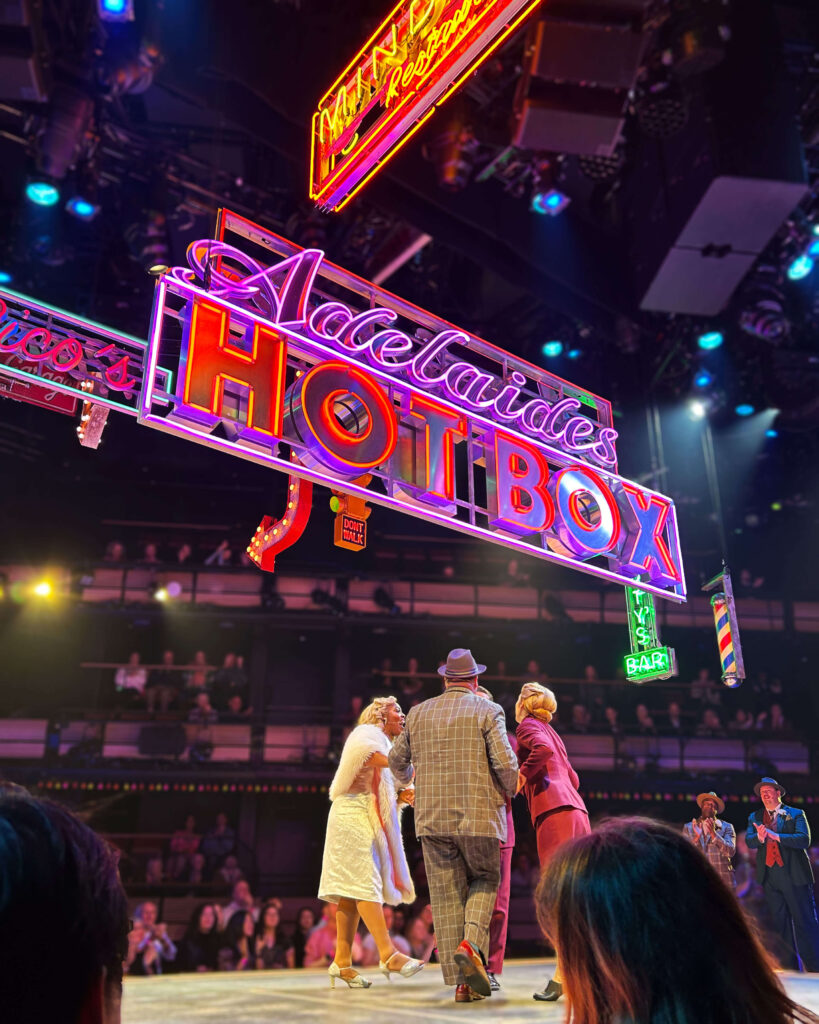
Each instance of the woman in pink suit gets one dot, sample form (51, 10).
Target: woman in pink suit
(550, 784)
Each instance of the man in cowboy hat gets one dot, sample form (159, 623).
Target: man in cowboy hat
(781, 837)
(716, 838)
(464, 769)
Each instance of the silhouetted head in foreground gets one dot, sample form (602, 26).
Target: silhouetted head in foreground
(648, 933)
(63, 917)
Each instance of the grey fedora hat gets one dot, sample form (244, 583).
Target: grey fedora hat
(460, 665)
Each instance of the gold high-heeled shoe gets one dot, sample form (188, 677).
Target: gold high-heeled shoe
(407, 970)
(357, 981)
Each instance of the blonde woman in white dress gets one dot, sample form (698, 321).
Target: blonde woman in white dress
(364, 862)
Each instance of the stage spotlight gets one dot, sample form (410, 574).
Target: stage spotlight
(745, 409)
(703, 379)
(174, 589)
(549, 203)
(81, 208)
(42, 193)
(326, 600)
(800, 268)
(116, 10)
(697, 409)
(710, 340)
(43, 589)
(770, 432)
(574, 353)
(161, 594)
(552, 349)
(5, 277)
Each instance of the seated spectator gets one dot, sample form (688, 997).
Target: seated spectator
(150, 555)
(163, 684)
(154, 874)
(590, 674)
(218, 841)
(197, 678)
(155, 935)
(143, 957)
(131, 679)
(640, 918)
(230, 873)
(524, 875)
(369, 950)
(704, 690)
(221, 556)
(710, 726)
(742, 721)
(611, 717)
(321, 945)
(242, 899)
(645, 723)
(114, 552)
(236, 710)
(55, 869)
(673, 725)
(773, 720)
(198, 869)
(421, 941)
(203, 712)
(271, 950)
(515, 576)
(581, 719)
(533, 674)
(411, 686)
(238, 941)
(227, 681)
(184, 844)
(199, 947)
(184, 553)
(305, 923)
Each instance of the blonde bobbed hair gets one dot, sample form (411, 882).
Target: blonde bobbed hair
(538, 700)
(376, 713)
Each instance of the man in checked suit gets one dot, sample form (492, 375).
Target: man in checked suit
(464, 769)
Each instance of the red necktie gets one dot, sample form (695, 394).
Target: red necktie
(773, 855)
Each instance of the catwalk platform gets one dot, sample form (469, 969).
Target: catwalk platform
(265, 996)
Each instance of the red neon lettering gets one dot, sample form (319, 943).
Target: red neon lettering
(212, 360)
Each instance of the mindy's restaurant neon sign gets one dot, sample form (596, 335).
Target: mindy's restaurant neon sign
(275, 369)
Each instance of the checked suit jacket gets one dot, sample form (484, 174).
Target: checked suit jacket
(464, 765)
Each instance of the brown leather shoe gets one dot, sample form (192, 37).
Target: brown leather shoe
(471, 963)
(464, 994)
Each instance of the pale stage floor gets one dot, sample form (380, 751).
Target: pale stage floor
(263, 997)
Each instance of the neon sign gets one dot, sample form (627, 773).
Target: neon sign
(42, 345)
(273, 369)
(419, 54)
(648, 659)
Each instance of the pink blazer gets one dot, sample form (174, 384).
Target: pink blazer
(551, 781)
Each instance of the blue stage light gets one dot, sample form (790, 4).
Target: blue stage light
(813, 248)
(745, 409)
(550, 203)
(81, 208)
(116, 10)
(800, 268)
(770, 432)
(574, 353)
(551, 349)
(703, 379)
(42, 193)
(5, 277)
(710, 340)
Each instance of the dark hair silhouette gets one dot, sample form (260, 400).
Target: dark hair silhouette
(648, 933)
(55, 869)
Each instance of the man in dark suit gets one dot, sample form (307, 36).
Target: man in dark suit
(781, 836)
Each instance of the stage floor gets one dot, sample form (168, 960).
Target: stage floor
(262, 996)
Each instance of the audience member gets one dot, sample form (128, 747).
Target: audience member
(524, 874)
(645, 723)
(773, 720)
(238, 941)
(242, 899)
(421, 941)
(305, 923)
(114, 552)
(515, 576)
(156, 934)
(150, 555)
(611, 718)
(230, 873)
(411, 686)
(130, 680)
(199, 947)
(221, 556)
(184, 553)
(163, 684)
(197, 678)
(228, 681)
(581, 719)
(710, 725)
(369, 949)
(203, 712)
(236, 710)
(741, 722)
(218, 841)
(648, 933)
(63, 917)
(705, 690)
(154, 874)
(673, 725)
(321, 945)
(271, 951)
(184, 844)
(197, 873)
(143, 957)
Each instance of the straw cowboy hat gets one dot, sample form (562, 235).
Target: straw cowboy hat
(702, 797)
(768, 781)
(460, 665)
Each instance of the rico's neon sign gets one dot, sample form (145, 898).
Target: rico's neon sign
(275, 368)
(417, 56)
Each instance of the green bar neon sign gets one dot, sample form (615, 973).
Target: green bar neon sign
(649, 659)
